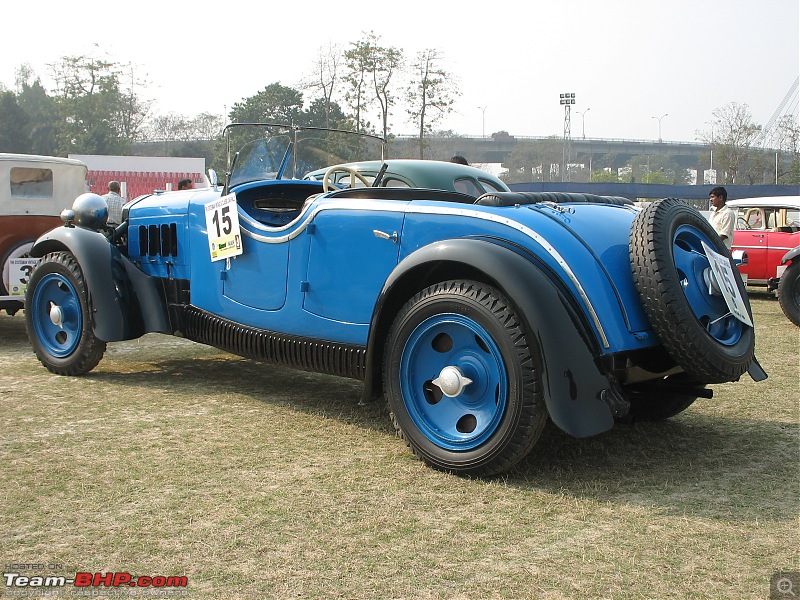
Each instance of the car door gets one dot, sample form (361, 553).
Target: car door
(782, 235)
(258, 277)
(352, 251)
(750, 235)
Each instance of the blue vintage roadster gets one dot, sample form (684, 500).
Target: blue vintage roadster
(477, 318)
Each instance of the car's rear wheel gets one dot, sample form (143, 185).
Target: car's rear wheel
(57, 317)
(462, 379)
(671, 272)
(789, 293)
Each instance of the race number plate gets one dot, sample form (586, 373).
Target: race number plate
(723, 273)
(222, 224)
(19, 272)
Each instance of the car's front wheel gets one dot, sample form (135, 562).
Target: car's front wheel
(463, 380)
(789, 293)
(57, 317)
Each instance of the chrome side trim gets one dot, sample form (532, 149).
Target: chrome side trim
(297, 227)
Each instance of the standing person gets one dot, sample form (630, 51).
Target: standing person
(723, 218)
(185, 184)
(114, 202)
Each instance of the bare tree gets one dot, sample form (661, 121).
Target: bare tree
(788, 137)
(384, 64)
(206, 126)
(370, 65)
(325, 78)
(731, 137)
(429, 93)
(357, 64)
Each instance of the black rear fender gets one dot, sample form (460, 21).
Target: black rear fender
(573, 384)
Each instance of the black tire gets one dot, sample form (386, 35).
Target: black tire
(789, 293)
(494, 420)
(658, 403)
(58, 319)
(695, 327)
(19, 250)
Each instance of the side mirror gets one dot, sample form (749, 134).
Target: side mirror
(212, 177)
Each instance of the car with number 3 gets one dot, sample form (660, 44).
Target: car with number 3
(478, 318)
(33, 191)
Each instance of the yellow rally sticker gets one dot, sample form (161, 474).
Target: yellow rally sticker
(222, 224)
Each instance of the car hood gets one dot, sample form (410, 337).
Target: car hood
(170, 203)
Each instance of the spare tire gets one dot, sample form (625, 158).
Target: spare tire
(669, 269)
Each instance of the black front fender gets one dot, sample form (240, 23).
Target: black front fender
(124, 302)
(574, 388)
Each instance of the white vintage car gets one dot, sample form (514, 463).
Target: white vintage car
(33, 192)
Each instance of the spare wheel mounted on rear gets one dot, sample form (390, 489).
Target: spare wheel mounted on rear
(670, 270)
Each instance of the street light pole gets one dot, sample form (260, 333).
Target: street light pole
(659, 125)
(583, 121)
(567, 100)
(483, 120)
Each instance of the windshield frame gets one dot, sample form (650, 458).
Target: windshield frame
(291, 148)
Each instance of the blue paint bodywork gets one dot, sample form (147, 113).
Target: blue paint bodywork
(322, 276)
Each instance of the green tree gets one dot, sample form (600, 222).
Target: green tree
(429, 94)
(657, 168)
(605, 176)
(13, 125)
(97, 115)
(41, 110)
(276, 103)
(520, 163)
(534, 160)
(326, 114)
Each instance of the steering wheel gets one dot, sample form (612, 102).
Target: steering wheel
(327, 182)
(742, 221)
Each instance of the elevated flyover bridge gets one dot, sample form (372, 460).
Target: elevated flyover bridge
(614, 153)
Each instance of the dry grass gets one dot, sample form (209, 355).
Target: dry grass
(257, 482)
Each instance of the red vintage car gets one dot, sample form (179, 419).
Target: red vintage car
(768, 229)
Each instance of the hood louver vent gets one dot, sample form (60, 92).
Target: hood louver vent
(158, 240)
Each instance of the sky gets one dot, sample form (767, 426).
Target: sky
(629, 62)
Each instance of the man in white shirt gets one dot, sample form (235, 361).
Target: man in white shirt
(114, 202)
(723, 218)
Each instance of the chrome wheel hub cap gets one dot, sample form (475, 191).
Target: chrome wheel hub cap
(451, 381)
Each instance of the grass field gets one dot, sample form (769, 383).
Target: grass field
(252, 481)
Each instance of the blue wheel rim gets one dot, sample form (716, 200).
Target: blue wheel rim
(466, 421)
(55, 291)
(711, 310)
